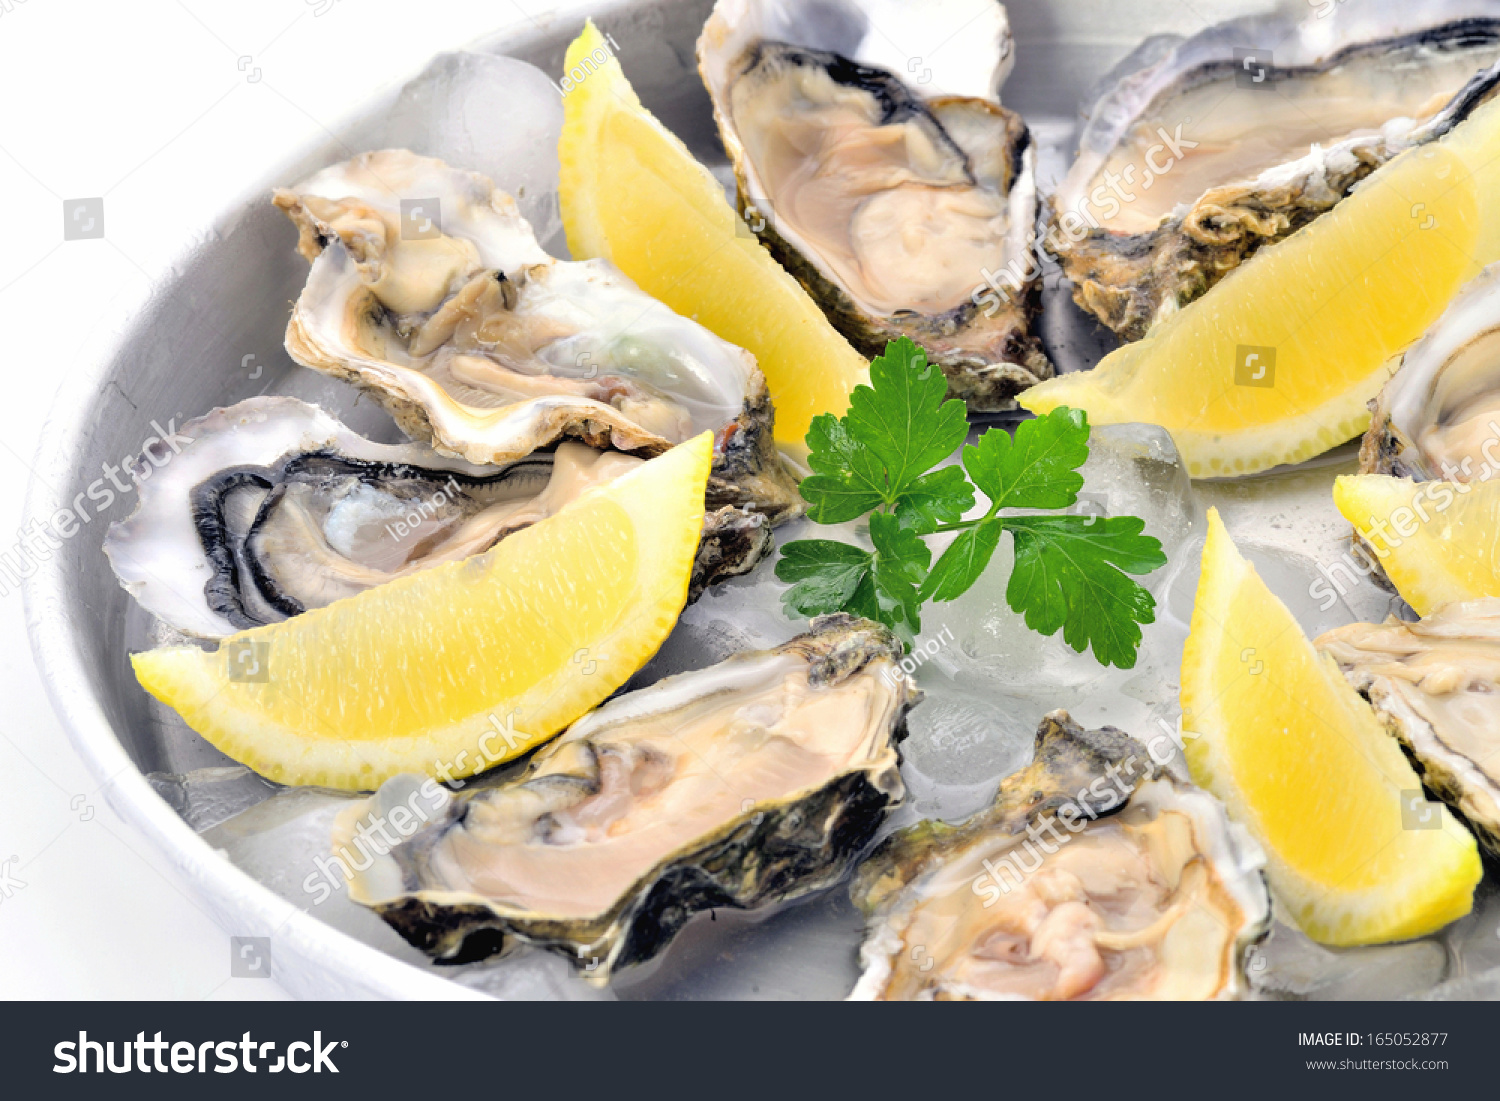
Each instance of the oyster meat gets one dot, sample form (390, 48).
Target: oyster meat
(753, 781)
(1435, 684)
(275, 507)
(1438, 418)
(1201, 150)
(890, 199)
(1148, 892)
(429, 290)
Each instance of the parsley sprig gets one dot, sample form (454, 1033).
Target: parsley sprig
(881, 458)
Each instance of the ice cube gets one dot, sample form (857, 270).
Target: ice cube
(205, 797)
(803, 950)
(1289, 965)
(527, 975)
(961, 743)
(284, 843)
(494, 115)
(1134, 470)
(1285, 522)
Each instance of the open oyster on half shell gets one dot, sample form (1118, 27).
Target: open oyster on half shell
(1199, 151)
(890, 194)
(429, 290)
(1438, 418)
(750, 782)
(1148, 890)
(275, 507)
(1435, 685)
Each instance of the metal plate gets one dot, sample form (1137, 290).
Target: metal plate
(228, 296)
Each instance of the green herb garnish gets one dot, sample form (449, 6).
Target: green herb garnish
(1071, 572)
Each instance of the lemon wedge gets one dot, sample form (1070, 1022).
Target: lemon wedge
(459, 667)
(1272, 728)
(1438, 542)
(633, 194)
(1277, 362)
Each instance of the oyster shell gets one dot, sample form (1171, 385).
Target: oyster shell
(275, 507)
(428, 290)
(1189, 161)
(1435, 684)
(890, 199)
(1438, 418)
(753, 781)
(1160, 899)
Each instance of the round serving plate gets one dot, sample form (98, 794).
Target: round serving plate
(178, 351)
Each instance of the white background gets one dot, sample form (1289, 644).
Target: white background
(143, 102)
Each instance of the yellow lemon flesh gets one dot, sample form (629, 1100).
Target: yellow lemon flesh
(451, 670)
(1277, 362)
(633, 194)
(1438, 542)
(1272, 728)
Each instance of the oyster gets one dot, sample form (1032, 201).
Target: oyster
(1161, 899)
(1438, 418)
(1436, 686)
(1201, 150)
(274, 507)
(429, 290)
(891, 200)
(753, 781)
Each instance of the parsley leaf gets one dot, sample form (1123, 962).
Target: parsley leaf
(880, 453)
(904, 416)
(826, 575)
(829, 576)
(1037, 469)
(964, 560)
(901, 560)
(1070, 572)
(840, 487)
(937, 497)
(882, 459)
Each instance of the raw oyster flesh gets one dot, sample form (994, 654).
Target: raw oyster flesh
(1436, 686)
(275, 507)
(1201, 150)
(890, 201)
(750, 782)
(429, 290)
(1149, 891)
(1438, 418)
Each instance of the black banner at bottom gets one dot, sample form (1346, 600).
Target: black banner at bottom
(745, 1049)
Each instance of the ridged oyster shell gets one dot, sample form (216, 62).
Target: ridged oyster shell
(894, 233)
(1438, 418)
(1150, 892)
(744, 784)
(1235, 162)
(1436, 686)
(429, 291)
(274, 507)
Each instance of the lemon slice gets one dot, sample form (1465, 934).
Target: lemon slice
(461, 666)
(633, 194)
(1438, 542)
(1277, 362)
(1274, 730)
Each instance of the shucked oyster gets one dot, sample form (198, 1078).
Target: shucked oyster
(888, 195)
(1161, 899)
(1438, 418)
(429, 290)
(753, 781)
(274, 507)
(1436, 686)
(1199, 151)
